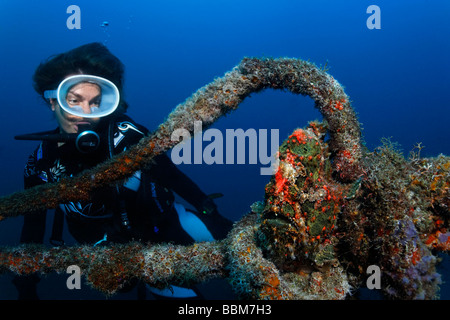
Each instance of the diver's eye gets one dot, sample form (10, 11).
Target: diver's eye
(72, 99)
(95, 104)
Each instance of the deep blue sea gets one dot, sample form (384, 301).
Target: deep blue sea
(398, 78)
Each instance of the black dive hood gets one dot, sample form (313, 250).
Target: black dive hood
(86, 140)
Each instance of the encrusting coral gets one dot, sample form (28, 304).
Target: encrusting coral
(331, 210)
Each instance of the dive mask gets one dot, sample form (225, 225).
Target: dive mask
(104, 104)
(107, 103)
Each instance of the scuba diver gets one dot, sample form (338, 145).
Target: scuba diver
(83, 88)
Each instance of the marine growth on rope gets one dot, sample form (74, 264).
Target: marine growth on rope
(331, 210)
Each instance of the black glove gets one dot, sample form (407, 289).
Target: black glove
(218, 225)
(208, 206)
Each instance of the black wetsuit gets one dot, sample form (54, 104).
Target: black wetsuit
(147, 197)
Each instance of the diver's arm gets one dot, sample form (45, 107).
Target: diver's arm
(164, 170)
(180, 183)
(174, 179)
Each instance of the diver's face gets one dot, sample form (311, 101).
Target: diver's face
(86, 95)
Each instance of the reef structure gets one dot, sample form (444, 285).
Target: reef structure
(209, 103)
(323, 235)
(109, 269)
(331, 209)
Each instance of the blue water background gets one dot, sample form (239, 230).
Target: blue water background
(398, 77)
